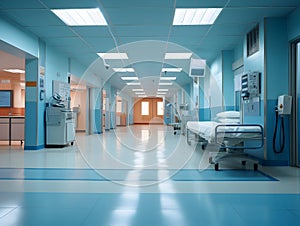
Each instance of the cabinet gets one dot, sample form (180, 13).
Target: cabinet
(60, 126)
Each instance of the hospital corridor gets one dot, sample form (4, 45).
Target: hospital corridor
(158, 112)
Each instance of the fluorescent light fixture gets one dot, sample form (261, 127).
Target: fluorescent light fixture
(15, 71)
(162, 96)
(196, 16)
(133, 83)
(162, 90)
(178, 56)
(5, 81)
(129, 69)
(142, 96)
(168, 78)
(129, 78)
(171, 69)
(137, 90)
(113, 56)
(161, 93)
(165, 83)
(81, 17)
(140, 93)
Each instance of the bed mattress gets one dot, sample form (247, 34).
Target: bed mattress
(206, 130)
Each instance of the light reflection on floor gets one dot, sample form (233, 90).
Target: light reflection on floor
(137, 202)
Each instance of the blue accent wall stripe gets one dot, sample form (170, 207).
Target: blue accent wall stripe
(204, 114)
(33, 148)
(30, 124)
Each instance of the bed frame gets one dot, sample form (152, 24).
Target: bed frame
(232, 141)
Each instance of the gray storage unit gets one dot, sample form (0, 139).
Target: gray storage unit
(60, 126)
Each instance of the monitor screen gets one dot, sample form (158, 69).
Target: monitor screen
(6, 98)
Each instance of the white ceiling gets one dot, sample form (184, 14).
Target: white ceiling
(9, 61)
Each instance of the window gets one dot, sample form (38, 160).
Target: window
(145, 108)
(253, 41)
(160, 108)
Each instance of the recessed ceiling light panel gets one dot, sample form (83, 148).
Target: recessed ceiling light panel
(168, 78)
(171, 70)
(196, 16)
(81, 17)
(133, 83)
(129, 78)
(137, 90)
(113, 56)
(15, 71)
(178, 56)
(165, 83)
(162, 90)
(123, 70)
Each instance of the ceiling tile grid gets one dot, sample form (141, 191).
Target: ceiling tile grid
(138, 22)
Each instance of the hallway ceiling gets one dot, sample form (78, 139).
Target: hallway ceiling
(135, 20)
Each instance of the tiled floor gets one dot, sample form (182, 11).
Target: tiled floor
(134, 200)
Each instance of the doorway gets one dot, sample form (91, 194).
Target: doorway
(78, 105)
(148, 111)
(295, 117)
(12, 98)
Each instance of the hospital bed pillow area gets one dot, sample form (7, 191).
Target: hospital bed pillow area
(228, 134)
(228, 117)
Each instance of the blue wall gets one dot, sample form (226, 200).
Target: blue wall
(252, 63)
(256, 62)
(18, 37)
(228, 78)
(238, 51)
(215, 89)
(56, 69)
(293, 25)
(277, 79)
(272, 62)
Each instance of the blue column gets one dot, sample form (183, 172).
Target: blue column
(96, 97)
(34, 108)
(113, 95)
(130, 111)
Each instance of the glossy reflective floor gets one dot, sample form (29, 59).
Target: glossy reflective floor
(55, 187)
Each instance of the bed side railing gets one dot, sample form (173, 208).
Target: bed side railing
(224, 133)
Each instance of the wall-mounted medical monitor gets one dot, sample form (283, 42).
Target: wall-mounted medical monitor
(6, 98)
(197, 68)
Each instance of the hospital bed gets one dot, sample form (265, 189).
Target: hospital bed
(232, 139)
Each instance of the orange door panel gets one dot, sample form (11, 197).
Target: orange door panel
(145, 111)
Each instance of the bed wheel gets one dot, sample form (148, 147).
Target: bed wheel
(255, 166)
(243, 162)
(216, 166)
(203, 146)
(210, 160)
(175, 133)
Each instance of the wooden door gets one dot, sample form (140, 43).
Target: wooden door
(146, 111)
